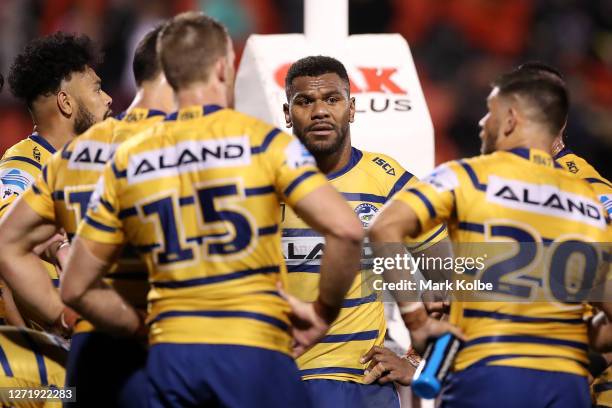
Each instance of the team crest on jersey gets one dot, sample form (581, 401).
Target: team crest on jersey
(298, 156)
(366, 212)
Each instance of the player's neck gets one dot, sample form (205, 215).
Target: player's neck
(529, 138)
(557, 146)
(155, 94)
(56, 131)
(332, 163)
(201, 94)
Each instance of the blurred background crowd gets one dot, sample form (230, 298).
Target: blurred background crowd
(459, 47)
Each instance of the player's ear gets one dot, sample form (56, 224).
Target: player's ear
(352, 109)
(510, 121)
(65, 103)
(221, 70)
(288, 121)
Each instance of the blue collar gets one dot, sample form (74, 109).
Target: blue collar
(43, 142)
(356, 155)
(150, 113)
(564, 152)
(526, 154)
(206, 110)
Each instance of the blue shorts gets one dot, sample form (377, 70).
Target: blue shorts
(510, 387)
(340, 394)
(107, 371)
(218, 375)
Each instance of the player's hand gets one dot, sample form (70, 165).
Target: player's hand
(47, 249)
(308, 327)
(432, 328)
(65, 323)
(600, 333)
(386, 366)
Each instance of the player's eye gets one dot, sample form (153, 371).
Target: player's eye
(332, 100)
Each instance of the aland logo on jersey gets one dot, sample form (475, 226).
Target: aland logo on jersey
(188, 156)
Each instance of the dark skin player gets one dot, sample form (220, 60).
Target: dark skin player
(320, 111)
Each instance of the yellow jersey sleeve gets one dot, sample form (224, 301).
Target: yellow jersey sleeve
(429, 237)
(40, 196)
(295, 172)
(102, 222)
(16, 174)
(433, 198)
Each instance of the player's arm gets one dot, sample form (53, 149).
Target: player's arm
(98, 241)
(300, 184)
(420, 207)
(326, 211)
(84, 290)
(21, 230)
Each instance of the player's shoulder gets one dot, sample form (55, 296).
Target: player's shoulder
(385, 170)
(580, 167)
(24, 148)
(259, 131)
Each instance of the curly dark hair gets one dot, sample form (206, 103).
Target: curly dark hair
(1, 82)
(47, 61)
(314, 66)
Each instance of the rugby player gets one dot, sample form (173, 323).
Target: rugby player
(58, 199)
(31, 359)
(319, 111)
(199, 196)
(517, 353)
(54, 76)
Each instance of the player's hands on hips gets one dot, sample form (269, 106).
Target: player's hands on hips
(432, 328)
(308, 326)
(386, 366)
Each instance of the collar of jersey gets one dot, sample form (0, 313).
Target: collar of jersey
(564, 152)
(43, 142)
(150, 113)
(526, 154)
(206, 110)
(356, 155)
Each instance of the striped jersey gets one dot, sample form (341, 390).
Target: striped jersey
(367, 182)
(199, 197)
(62, 191)
(544, 220)
(581, 168)
(19, 167)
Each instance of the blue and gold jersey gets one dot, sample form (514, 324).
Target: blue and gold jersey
(601, 389)
(199, 197)
(581, 168)
(19, 167)
(30, 359)
(62, 191)
(519, 197)
(366, 182)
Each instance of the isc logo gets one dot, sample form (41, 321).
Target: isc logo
(385, 166)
